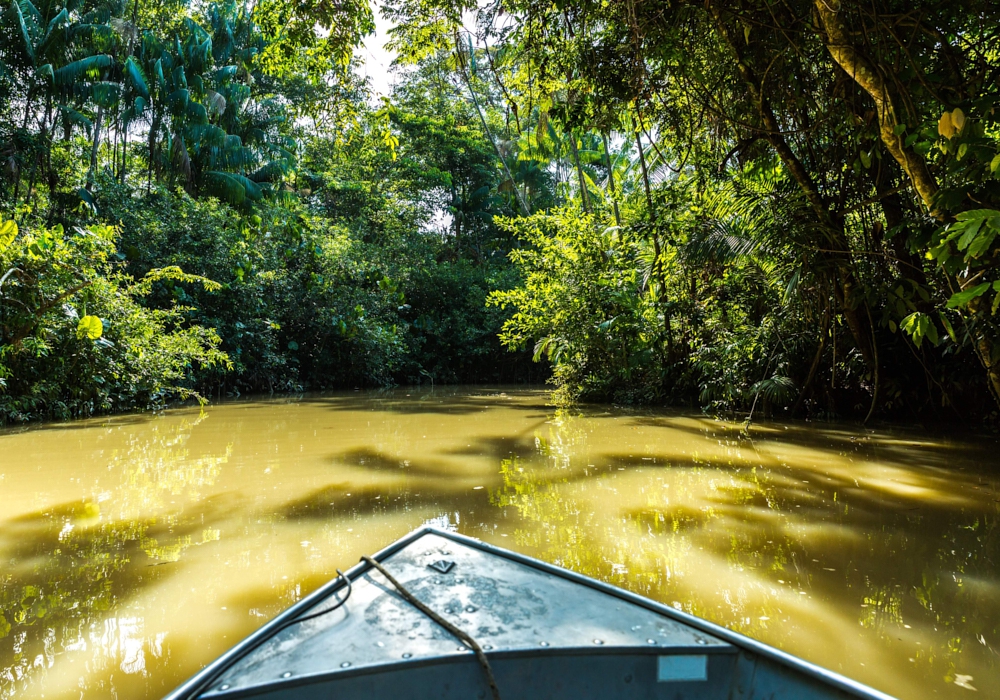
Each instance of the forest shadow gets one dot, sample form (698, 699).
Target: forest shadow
(521, 446)
(347, 499)
(803, 485)
(374, 460)
(926, 451)
(112, 421)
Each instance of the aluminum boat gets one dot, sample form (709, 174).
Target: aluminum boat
(441, 616)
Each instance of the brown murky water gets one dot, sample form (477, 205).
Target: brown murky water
(133, 550)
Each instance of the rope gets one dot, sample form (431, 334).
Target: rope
(455, 631)
(214, 676)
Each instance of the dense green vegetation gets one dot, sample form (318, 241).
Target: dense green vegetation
(744, 205)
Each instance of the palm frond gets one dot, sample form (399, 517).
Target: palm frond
(82, 69)
(73, 118)
(777, 389)
(270, 172)
(232, 187)
(136, 78)
(23, 29)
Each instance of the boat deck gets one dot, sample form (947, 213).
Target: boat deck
(547, 633)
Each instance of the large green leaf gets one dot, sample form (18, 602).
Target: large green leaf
(158, 71)
(206, 136)
(74, 118)
(270, 172)
(55, 31)
(963, 298)
(8, 232)
(232, 187)
(23, 30)
(87, 198)
(178, 101)
(30, 12)
(197, 113)
(78, 70)
(105, 93)
(136, 78)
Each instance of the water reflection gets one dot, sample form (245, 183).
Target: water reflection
(135, 550)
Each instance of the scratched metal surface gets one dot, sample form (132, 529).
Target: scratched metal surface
(508, 607)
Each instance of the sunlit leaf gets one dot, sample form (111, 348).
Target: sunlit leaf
(89, 327)
(963, 298)
(8, 232)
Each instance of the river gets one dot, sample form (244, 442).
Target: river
(135, 549)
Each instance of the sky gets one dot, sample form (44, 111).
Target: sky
(377, 60)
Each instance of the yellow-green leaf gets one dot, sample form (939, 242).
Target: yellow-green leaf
(948, 327)
(945, 127)
(8, 232)
(958, 119)
(89, 327)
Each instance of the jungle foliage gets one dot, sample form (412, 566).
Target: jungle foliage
(759, 205)
(202, 200)
(742, 205)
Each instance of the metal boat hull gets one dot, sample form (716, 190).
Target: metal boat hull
(546, 632)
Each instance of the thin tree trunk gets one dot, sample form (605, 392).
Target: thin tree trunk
(657, 253)
(611, 179)
(486, 128)
(29, 196)
(91, 173)
(824, 331)
(121, 173)
(52, 176)
(154, 126)
(24, 126)
(114, 148)
(645, 173)
(27, 106)
(891, 203)
(584, 195)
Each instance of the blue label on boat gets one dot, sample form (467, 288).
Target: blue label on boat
(681, 668)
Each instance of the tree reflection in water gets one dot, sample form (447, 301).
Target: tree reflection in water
(72, 570)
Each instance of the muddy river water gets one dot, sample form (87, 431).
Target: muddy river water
(135, 549)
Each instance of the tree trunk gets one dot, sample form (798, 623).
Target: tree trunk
(584, 195)
(154, 126)
(611, 178)
(871, 79)
(833, 226)
(807, 384)
(91, 173)
(645, 173)
(657, 270)
(52, 175)
(908, 264)
(121, 173)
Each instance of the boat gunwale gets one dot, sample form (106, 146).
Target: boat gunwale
(742, 642)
